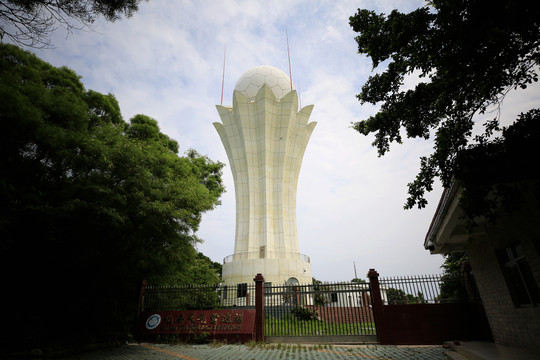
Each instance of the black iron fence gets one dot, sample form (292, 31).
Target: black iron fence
(325, 309)
(423, 289)
(427, 309)
(196, 297)
(316, 310)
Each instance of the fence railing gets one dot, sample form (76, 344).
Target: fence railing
(324, 309)
(419, 289)
(424, 289)
(321, 309)
(427, 309)
(265, 255)
(199, 297)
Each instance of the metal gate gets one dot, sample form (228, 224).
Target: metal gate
(329, 312)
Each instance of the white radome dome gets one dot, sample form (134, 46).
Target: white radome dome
(253, 79)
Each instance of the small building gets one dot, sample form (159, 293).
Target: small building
(351, 295)
(505, 260)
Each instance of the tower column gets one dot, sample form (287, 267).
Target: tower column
(265, 137)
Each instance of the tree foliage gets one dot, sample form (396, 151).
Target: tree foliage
(32, 22)
(468, 55)
(319, 297)
(202, 271)
(358, 281)
(90, 205)
(453, 287)
(398, 297)
(500, 174)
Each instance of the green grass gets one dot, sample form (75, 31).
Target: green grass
(294, 327)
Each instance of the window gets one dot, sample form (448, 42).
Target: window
(333, 296)
(224, 292)
(267, 288)
(519, 278)
(292, 281)
(241, 290)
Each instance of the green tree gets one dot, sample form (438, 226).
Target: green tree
(319, 293)
(398, 296)
(419, 298)
(359, 281)
(31, 22)
(452, 282)
(203, 271)
(90, 205)
(500, 174)
(395, 296)
(469, 55)
(452, 264)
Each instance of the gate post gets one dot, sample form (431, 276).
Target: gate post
(141, 297)
(259, 307)
(378, 306)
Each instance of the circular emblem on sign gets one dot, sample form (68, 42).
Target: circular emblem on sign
(153, 321)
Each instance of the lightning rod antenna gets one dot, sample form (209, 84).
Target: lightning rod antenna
(299, 95)
(289, 56)
(223, 77)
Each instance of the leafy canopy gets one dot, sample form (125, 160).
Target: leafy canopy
(452, 285)
(469, 54)
(32, 22)
(90, 205)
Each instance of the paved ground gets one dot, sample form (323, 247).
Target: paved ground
(269, 352)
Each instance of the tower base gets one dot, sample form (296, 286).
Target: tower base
(276, 271)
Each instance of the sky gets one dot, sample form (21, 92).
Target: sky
(166, 61)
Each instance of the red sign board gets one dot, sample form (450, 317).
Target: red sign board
(214, 322)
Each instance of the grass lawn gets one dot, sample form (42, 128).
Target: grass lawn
(294, 327)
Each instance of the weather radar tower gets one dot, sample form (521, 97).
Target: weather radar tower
(265, 137)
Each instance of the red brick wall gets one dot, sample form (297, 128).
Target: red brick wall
(344, 315)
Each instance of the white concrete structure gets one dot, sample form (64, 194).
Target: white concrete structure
(265, 137)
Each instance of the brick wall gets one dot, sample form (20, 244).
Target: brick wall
(518, 326)
(344, 315)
